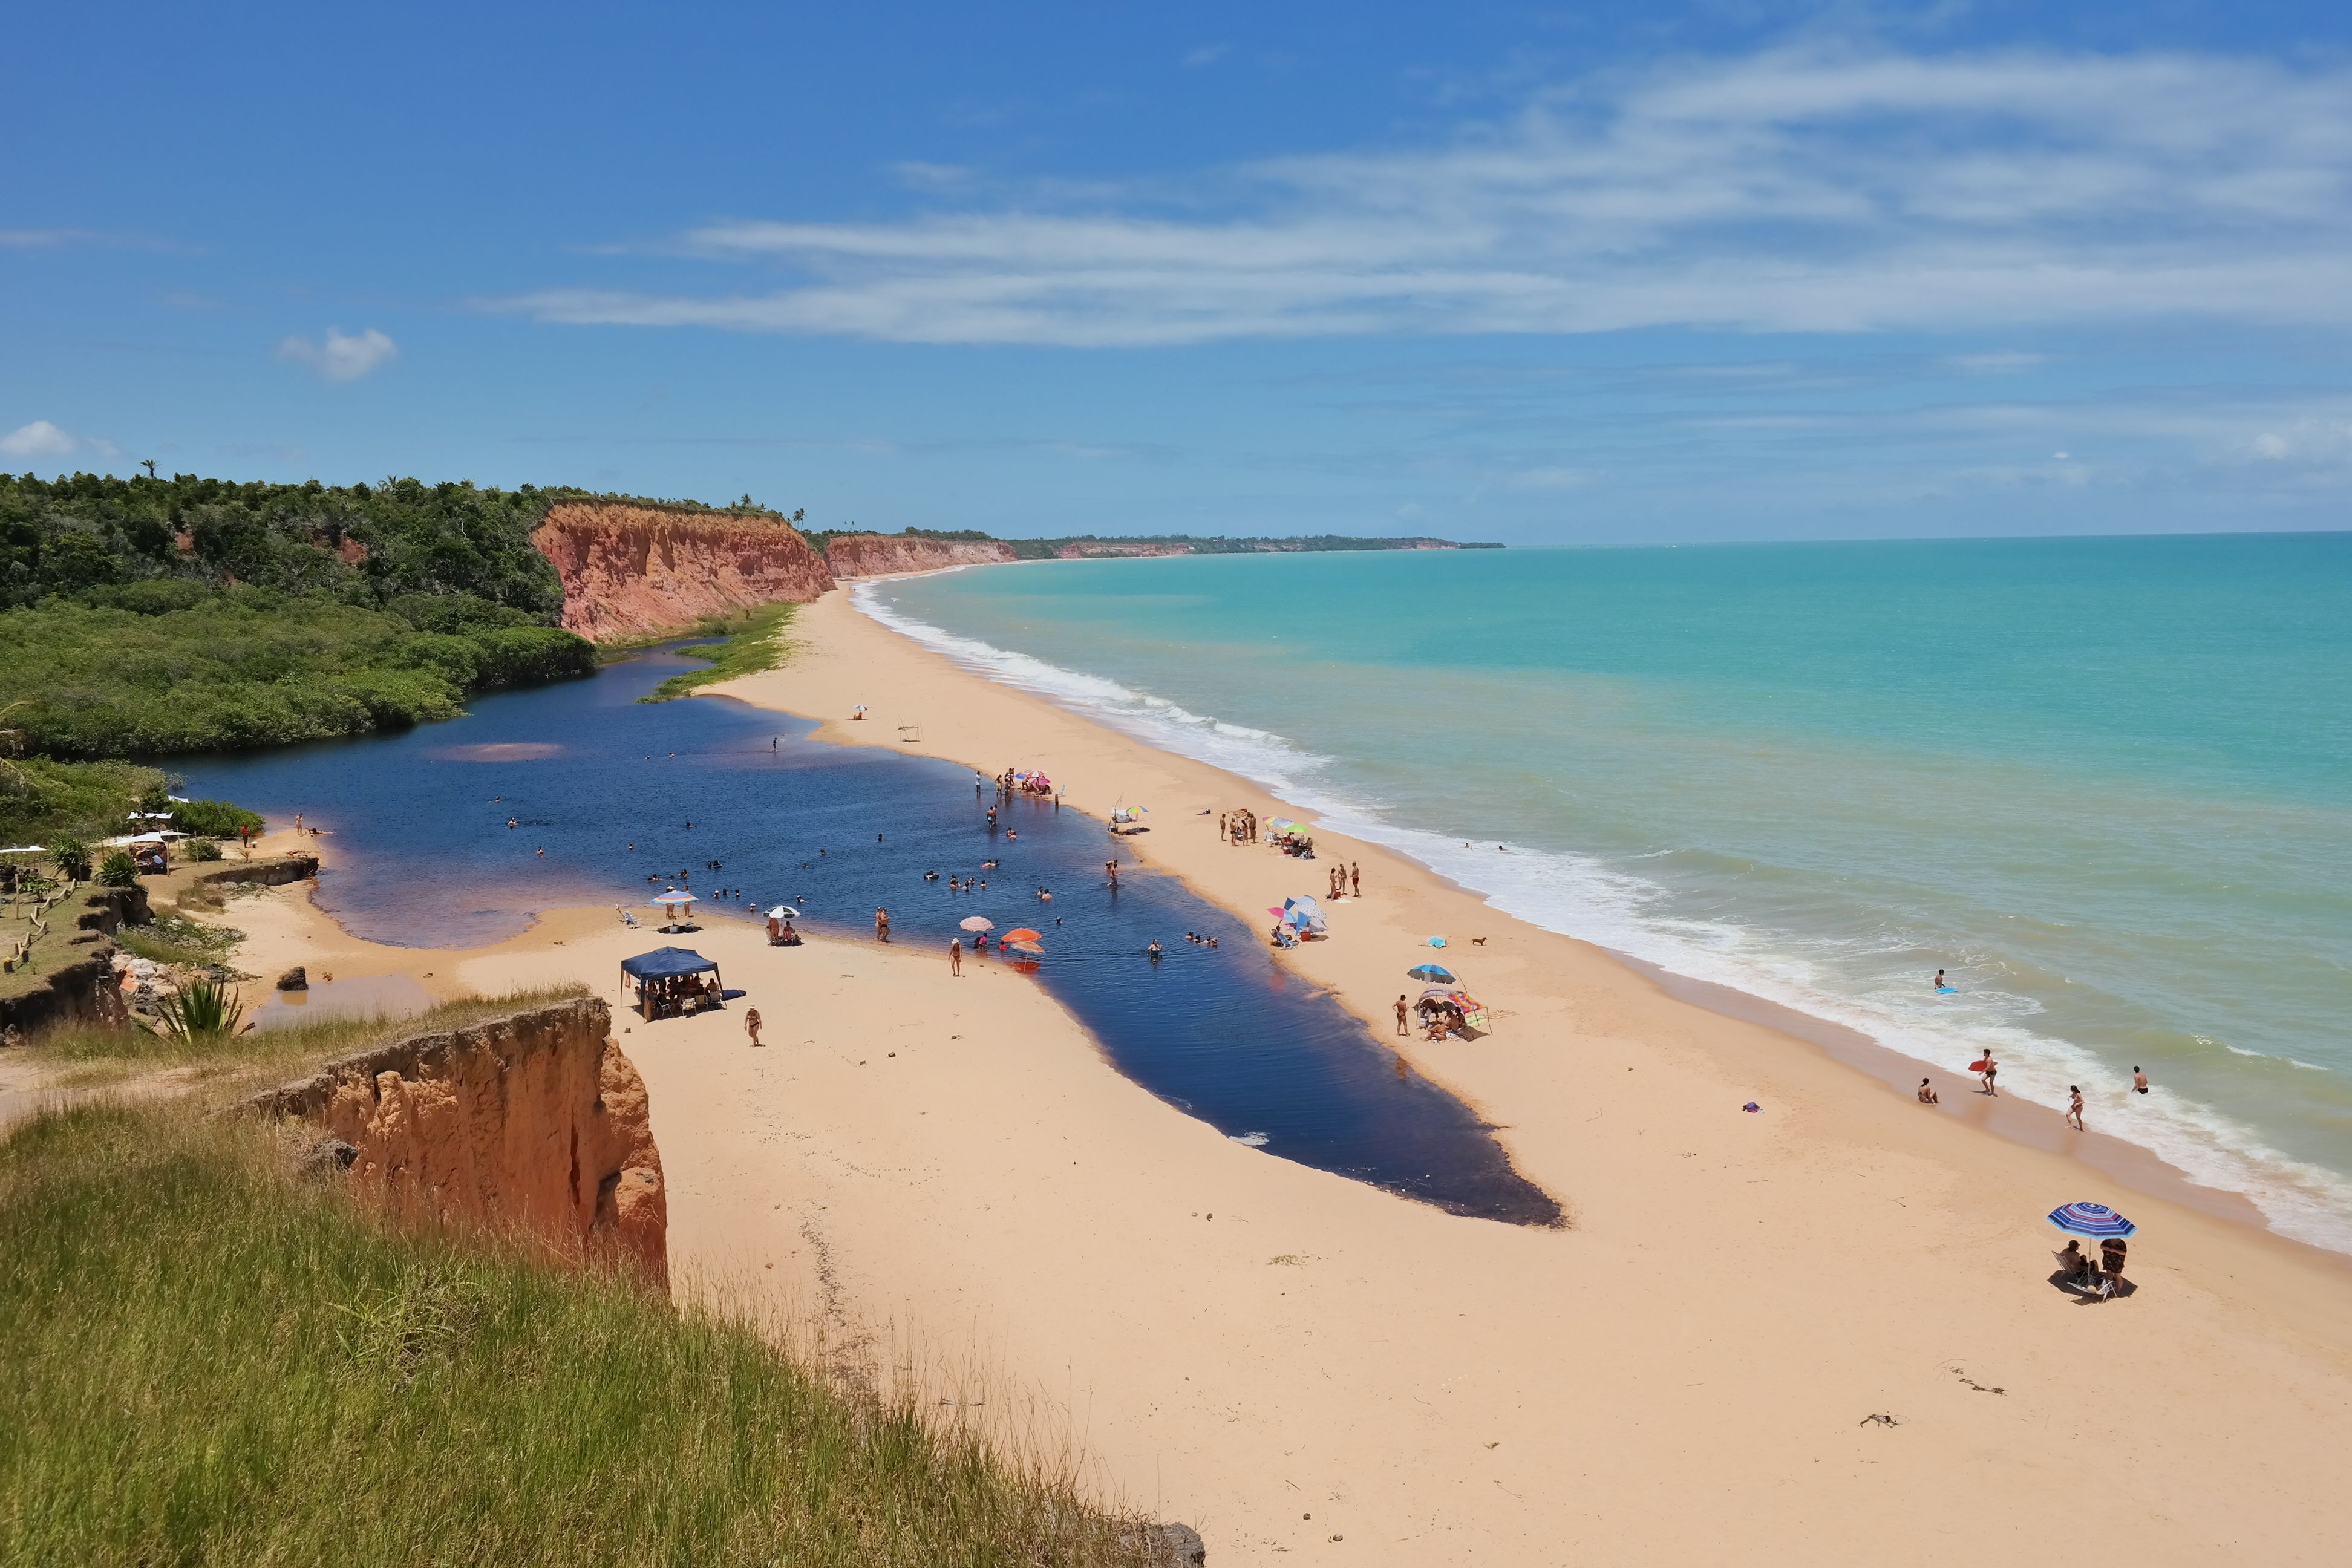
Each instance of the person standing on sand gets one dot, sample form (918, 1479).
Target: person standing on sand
(1355, 879)
(955, 956)
(2140, 1079)
(881, 925)
(1220, 827)
(1991, 1071)
(2074, 1108)
(1404, 1031)
(752, 1025)
(298, 822)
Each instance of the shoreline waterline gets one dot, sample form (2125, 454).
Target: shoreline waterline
(2222, 1170)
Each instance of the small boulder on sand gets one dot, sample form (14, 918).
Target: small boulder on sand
(294, 979)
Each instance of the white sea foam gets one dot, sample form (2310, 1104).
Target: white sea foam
(1580, 896)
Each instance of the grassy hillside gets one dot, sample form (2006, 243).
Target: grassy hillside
(208, 1361)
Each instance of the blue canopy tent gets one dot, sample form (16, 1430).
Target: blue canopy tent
(666, 964)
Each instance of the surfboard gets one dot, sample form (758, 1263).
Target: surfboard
(1980, 1067)
(1948, 991)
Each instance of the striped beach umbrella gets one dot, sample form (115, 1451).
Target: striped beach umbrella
(2091, 1219)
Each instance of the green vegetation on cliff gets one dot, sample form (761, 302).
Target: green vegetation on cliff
(363, 544)
(207, 1360)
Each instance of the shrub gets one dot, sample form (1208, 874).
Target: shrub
(213, 819)
(72, 857)
(204, 1013)
(119, 869)
(204, 849)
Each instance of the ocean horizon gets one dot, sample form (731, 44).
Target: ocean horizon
(2104, 783)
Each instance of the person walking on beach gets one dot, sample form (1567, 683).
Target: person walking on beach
(955, 951)
(2074, 1108)
(1404, 1031)
(881, 925)
(752, 1025)
(1991, 1071)
(1221, 827)
(1355, 879)
(2140, 1079)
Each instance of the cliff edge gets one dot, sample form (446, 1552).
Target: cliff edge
(535, 1121)
(632, 572)
(883, 554)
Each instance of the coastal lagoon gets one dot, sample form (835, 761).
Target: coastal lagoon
(2106, 784)
(623, 797)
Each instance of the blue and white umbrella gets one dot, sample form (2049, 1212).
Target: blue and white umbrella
(2091, 1219)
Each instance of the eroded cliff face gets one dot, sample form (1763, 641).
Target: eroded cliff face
(534, 1122)
(882, 554)
(633, 571)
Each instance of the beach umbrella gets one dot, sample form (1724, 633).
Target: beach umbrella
(1023, 933)
(1022, 946)
(1436, 973)
(783, 912)
(2091, 1219)
(977, 922)
(673, 900)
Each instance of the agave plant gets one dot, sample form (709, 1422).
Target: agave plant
(204, 1013)
(119, 869)
(72, 857)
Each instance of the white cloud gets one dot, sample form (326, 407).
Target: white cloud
(338, 357)
(39, 439)
(1796, 190)
(1206, 55)
(2270, 444)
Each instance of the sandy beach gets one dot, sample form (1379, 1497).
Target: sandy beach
(1294, 1362)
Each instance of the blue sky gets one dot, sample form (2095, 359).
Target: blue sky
(1518, 272)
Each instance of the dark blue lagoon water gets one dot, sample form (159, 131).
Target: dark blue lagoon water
(625, 796)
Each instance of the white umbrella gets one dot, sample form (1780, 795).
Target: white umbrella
(977, 922)
(783, 912)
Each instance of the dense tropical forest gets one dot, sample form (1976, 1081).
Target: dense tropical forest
(143, 616)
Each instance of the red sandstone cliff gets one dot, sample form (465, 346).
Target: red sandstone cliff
(882, 554)
(632, 572)
(535, 1123)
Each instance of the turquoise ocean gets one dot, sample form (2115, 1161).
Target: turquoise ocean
(2105, 783)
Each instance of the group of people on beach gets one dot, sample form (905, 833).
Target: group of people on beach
(1347, 881)
(1988, 1071)
(2105, 1274)
(1237, 828)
